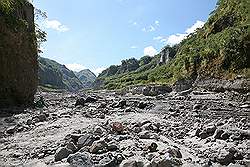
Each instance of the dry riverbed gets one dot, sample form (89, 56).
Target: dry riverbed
(108, 129)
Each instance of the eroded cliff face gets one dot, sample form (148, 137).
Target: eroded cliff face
(18, 57)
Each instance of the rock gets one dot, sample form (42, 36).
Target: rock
(80, 160)
(175, 152)
(71, 146)
(197, 107)
(133, 162)
(11, 130)
(112, 147)
(80, 102)
(142, 105)
(218, 133)
(107, 162)
(208, 131)
(152, 147)
(121, 103)
(117, 127)
(90, 99)
(98, 130)
(144, 134)
(98, 147)
(154, 90)
(225, 158)
(62, 153)
(164, 162)
(85, 140)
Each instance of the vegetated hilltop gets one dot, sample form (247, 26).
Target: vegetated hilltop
(57, 76)
(221, 49)
(87, 77)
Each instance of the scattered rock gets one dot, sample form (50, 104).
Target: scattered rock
(85, 140)
(62, 153)
(80, 102)
(80, 160)
(90, 99)
(117, 127)
(98, 147)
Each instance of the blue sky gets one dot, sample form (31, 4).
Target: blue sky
(95, 34)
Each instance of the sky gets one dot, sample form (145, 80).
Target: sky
(95, 34)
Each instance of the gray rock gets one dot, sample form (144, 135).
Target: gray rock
(164, 162)
(80, 160)
(145, 134)
(85, 140)
(107, 162)
(62, 153)
(98, 147)
(71, 146)
(133, 162)
(80, 102)
(11, 130)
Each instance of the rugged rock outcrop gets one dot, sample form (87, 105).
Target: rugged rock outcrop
(18, 56)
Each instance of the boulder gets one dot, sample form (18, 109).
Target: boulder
(62, 153)
(85, 140)
(80, 160)
(98, 147)
(80, 102)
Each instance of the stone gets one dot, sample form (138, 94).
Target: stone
(152, 147)
(144, 134)
(85, 140)
(133, 162)
(80, 160)
(117, 127)
(175, 153)
(107, 162)
(218, 133)
(71, 146)
(11, 130)
(98, 147)
(165, 162)
(208, 131)
(62, 153)
(98, 130)
(80, 102)
(121, 103)
(142, 105)
(90, 99)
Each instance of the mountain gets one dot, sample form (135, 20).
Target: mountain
(54, 75)
(220, 49)
(87, 77)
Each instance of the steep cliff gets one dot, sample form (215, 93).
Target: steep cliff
(18, 54)
(54, 75)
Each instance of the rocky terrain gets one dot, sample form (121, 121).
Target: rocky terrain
(195, 127)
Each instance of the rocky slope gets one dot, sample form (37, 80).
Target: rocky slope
(18, 54)
(57, 76)
(87, 77)
(218, 50)
(192, 128)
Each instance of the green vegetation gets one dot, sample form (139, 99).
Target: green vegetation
(56, 76)
(220, 49)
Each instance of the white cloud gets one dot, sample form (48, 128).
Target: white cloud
(75, 67)
(55, 25)
(98, 70)
(150, 51)
(157, 23)
(198, 24)
(177, 38)
(133, 47)
(158, 38)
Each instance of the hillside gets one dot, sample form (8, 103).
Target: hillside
(87, 77)
(54, 75)
(220, 50)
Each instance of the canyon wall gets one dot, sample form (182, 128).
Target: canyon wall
(18, 57)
